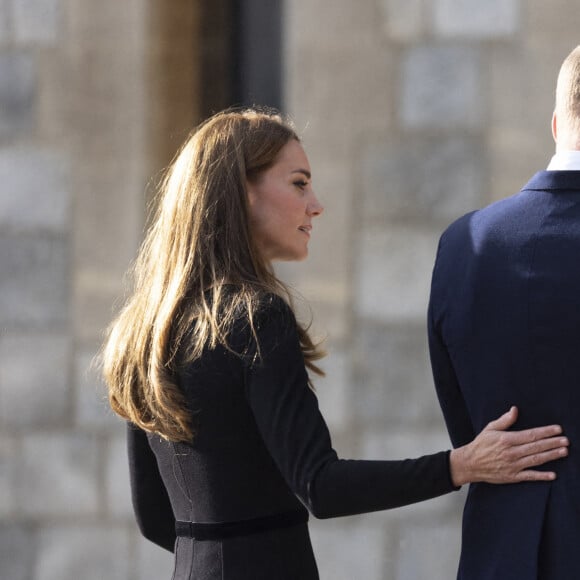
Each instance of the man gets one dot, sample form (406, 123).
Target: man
(504, 328)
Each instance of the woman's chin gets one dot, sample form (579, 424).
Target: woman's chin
(292, 257)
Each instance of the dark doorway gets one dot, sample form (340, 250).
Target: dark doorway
(258, 65)
(205, 56)
(241, 54)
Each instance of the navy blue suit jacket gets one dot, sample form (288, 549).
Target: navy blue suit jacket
(504, 329)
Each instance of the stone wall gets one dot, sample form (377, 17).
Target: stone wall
(412, 111)
(73, 94)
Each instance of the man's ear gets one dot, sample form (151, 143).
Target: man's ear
(555, 127)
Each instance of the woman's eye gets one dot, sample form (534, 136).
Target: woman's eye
(301, 184)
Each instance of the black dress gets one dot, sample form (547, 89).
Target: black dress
(261, 453)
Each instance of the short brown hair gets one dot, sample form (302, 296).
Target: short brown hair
(568, 90)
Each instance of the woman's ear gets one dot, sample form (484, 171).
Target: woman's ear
(251, 193)
(555, 127)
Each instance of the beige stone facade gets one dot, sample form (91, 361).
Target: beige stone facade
(412, 112)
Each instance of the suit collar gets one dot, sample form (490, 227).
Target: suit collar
(554, 181)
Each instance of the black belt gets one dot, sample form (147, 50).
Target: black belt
(222, 530)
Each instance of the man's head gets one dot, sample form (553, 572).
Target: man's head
(566, 118)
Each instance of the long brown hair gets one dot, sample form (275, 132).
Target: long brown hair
(198, 248)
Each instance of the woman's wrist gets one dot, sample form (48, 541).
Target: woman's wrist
(459, 466)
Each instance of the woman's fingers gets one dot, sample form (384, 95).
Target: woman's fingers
(530, 448)
(531, 475)
(534, 453)
(524, 463)
(521, 437)
(513, 461)
(529, 435)
(500, 456)
(504, 422)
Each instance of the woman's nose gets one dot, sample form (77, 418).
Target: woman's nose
(315, 208)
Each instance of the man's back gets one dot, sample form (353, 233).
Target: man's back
(504, 326)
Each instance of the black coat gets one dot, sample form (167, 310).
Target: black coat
(261, 448)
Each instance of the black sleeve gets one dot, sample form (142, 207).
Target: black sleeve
(287, 415)
(150, 500)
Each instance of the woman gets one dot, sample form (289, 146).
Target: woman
(209, 366)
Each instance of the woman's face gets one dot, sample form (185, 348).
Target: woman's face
(282, 206)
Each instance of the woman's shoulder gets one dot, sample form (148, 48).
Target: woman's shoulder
(272, 310)
(250, 302)
(270, 318)
(270, 302)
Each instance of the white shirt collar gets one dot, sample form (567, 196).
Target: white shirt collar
(565, 161)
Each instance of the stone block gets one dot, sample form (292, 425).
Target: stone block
(35, 193)
(349, 549)
(105, 111)
(17, 549)
(90, 552)
(5, 32)
(400, 443)
(441, 88)
(92, 410)
(98, 296)
(522, 82)
(37, 21)
(421, 178)
(325, 287)
(448, 506)
(334, 116)
(34, 388)
(404, 19)
(57, 474)
(334, 390)
(550, 27)
(393, 274)
(317, 25)
(8, 453)
(509, 172)
(393, 378)
(428, 551)
(153, 562)
(17, 93)
(34, 282)
(475, 19)
(118, 493)
(109, 224)
(519, 139)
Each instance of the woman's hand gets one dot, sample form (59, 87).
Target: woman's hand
(500, 456)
